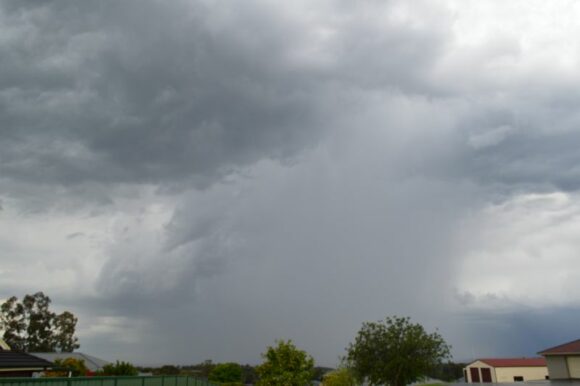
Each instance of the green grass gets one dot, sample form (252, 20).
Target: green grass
(432, 384)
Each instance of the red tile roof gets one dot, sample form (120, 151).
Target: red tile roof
(514, 362)
(566, 348)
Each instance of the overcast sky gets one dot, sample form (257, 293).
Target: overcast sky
(197, 178)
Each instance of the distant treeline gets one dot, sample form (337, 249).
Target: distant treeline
(447, 372)
(203, 370)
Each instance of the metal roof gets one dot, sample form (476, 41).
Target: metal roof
(13, 360)
(92, 363)
(514, 362)
(566, 348)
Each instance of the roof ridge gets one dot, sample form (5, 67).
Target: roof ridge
(88, 358)
(558, 346)
(510, 358)
(510, 362)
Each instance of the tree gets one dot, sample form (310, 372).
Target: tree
(340, 377)
(13, 323)
(395, 352)
(64, 335)
(448, 372)
(226, 373)
(120, 368)
(285, 365)
(167, 370)
(76, 367)
(31, 326)
(249, 376)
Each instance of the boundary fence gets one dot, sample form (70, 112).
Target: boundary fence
(162, 380)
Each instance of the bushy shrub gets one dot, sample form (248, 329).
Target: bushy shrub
(230, 373)
(76, 367)
(120, 368)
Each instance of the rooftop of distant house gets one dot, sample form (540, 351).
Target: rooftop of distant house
(514, 362)
(572, 347)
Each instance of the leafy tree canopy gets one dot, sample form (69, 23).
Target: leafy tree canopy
(226, 373)
(285, 365)
(448, 372)
(76, 367)
(167, 370)
(31, 326)
(340, 377)
(395, 352)
(120, 368)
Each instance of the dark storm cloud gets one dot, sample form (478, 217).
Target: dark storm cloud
(144, 92)
(521, 332)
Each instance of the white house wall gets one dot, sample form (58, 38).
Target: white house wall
(557, 367)
(574, 366)
(507, 374)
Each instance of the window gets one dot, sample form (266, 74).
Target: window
(518, 379)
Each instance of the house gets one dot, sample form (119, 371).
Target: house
(504, 370)
(92, 363)
(563, 360)
(18, 364)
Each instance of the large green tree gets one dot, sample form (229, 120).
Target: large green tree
(285, 365)
(395, 352)
(30, 326)
(226, 373)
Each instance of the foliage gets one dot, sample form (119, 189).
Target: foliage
(76, 367)
(395, 352)
(320, 371)
(340, 377)
(202, 369)
(120, 368)
(64, 336)
(226, 373)
(448, 372)
(167, 370)
(249, 376)
(31, 326)
(285, 365)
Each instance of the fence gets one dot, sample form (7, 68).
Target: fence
(179, 380)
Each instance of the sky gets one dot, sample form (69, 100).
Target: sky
(196, 179)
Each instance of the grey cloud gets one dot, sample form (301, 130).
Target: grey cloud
(528, 160)
(313, 164)
(75, 235)
(516, 332)
(144, 92)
